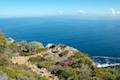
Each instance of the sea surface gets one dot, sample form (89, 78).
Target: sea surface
(97, 37)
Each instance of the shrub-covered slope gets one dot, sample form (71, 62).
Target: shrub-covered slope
(33, 61)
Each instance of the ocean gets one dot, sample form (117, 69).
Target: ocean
(97, 37)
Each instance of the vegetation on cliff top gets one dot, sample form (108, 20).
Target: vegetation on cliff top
(61, 61)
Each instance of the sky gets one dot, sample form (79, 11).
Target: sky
(26, 8)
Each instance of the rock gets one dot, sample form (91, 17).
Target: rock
(37, 44)
(49, 46)
(3, 76)
(9, 40)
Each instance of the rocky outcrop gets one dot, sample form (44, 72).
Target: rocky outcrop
(3, 76)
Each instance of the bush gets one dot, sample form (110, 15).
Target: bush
(2, 42)
(4, 60)
(19, 73)
(36, 45)
(83, 73)
(105, 74)
(26, 48)
(82, 59)
(64, 73)
(1, 36)
(40, 61)
(11, 49)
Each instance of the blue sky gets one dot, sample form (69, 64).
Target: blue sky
(22, 8)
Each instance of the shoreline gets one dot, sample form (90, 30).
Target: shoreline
(107, 65)
(105, 61)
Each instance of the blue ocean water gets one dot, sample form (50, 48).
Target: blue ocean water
(95, 37)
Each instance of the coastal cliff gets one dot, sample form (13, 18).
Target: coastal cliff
(34, 61)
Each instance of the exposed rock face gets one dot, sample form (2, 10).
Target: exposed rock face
(59, 52)
(50, 46)
(60, 47)
(3, 76)
(9, 40)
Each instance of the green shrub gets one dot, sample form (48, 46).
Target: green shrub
(2, 46)
(65, 73)
(40, 61)
(82, 59)
(11, 49)
(16, 72)
(105, 74)
(4, 60)
(26, 49)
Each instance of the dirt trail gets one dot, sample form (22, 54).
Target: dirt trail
(23, 60)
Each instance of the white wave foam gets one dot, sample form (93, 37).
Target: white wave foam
(107, 65)
(107, 61)
(106, 57)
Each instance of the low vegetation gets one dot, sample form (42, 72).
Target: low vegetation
(61, 61)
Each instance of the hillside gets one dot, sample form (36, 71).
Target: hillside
(34, 61)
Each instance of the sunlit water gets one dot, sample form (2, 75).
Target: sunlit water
(95, 37)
